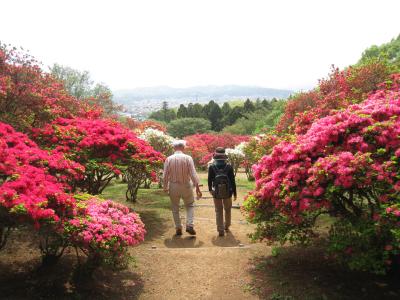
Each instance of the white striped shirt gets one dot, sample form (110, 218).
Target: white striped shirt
(179, 168)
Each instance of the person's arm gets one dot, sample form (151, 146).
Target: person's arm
(231, 177)
(193, 176)
(211, 177)
(166, 175)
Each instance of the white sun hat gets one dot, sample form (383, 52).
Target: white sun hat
(179, 143)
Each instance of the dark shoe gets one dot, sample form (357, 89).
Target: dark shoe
(178, 232)
(221, 233)
(227, 229)
(190, 230)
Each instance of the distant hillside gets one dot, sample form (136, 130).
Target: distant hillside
(141, 101)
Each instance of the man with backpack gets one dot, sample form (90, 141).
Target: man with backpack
(222, 185)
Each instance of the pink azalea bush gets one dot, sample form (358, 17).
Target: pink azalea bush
(103, 146)
(29, 190)
(104, 229)
(345, 165)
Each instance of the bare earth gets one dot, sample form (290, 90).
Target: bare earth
(167, 267)
(201, 267)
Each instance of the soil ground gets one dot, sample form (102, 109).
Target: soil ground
(201, 267)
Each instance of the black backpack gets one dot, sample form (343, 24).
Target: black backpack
(222, 184)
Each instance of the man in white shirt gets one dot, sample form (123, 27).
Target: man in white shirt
(179, 178)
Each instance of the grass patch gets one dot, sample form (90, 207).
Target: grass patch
(153, 206)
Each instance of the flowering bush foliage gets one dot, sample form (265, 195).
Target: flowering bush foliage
(162, 143)
(202, 146)
(235, 157)
(29, 193)
(346, 165)
(341, 89)
(258, 146)
(159, 140)
(103, 229)
(104, 147)
(30, 98)
(140, 126)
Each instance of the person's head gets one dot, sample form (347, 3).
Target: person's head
(179, 145)
(219, 154)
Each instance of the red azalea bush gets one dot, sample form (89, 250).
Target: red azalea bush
(30, 98)
(104, 230)
(30, 192)
(202, 146)
(104, 147)
(347, 166)
(27, 177)
(34, 190)
(339, 90)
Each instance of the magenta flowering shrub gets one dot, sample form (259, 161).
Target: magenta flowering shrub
(34, 191)
(104, 147)
(29, 191)
(346, 165)
(104, 229)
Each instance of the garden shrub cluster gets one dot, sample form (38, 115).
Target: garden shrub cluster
(202, 146)
(53, 148)
(346, 165)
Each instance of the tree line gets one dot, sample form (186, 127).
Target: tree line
(198, 118)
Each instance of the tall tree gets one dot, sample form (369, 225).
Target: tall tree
(236, 113)
(164, 110)
(80, 85)
(226, 108)
(198, 111)
(248, 106)
(182, 112)
(215, 116)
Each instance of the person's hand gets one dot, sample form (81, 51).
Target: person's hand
(166, 190)
(234, 198)
(198, 192)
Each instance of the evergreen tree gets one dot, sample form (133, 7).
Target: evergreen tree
(190, 110)
(266, 104)
(236, 113)
(215, 116)
(182, 112)
(226, 108)
(248, 106)
(164, 110)
(198, 111)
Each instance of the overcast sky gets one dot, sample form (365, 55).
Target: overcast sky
(180, 43)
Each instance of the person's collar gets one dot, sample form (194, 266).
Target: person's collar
(178, 152)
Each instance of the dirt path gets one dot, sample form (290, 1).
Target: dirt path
(201, 267)
(168, 267)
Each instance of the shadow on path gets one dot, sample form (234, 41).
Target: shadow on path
(156, 226)
(183, 242)
(228, 240)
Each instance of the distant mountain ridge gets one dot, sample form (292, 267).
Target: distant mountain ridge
(140, 102)
(210, 92)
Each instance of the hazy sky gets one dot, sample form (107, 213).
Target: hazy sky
(180, 43)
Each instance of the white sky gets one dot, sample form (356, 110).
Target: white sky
(180, 43)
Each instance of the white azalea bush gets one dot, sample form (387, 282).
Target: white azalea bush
(161, 142)
(235, 157)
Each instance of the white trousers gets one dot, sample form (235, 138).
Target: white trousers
(184, 191)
